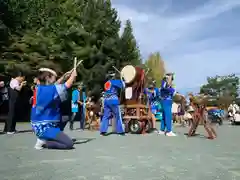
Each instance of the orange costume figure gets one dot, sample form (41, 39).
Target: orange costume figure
(198, 115)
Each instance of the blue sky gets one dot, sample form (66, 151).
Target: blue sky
(196, 38)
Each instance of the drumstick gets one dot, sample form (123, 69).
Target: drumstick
(147, 72)
(116, 69)
(75, 63)
(118, 72)
(80, 62)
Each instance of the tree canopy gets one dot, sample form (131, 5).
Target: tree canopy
(222, 90)
(39, 33)
(130, 50)
(156, 67)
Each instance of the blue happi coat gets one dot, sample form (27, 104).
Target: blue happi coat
(153, 95)
(111, 105)
(112, 88)
(45, 113)
(166, 92)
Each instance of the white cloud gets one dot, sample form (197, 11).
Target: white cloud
(176, 39)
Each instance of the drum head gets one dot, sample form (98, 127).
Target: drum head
(128, 73)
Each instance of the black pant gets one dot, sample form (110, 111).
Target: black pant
(10, 123)
(62, 141)
(64, 122)
(78, 116)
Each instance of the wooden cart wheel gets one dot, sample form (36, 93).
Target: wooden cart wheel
(148, 126)
(135, 126)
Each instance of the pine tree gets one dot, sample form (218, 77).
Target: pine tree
(51, 33)
(130, 52)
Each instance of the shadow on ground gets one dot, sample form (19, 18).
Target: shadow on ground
(82, 140)
(20, 132)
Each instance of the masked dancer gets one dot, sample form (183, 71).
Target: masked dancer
(167, 92)
(200, 114)
(111, 105)
(46, 114)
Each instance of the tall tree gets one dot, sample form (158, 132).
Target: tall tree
(51, 33)
(129, 50)
(156, 67)
(103, 25)
(221, 89)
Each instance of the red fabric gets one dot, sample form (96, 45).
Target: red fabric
(34, 97)
(107, 85)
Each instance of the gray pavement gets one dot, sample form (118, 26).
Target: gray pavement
(134, 157)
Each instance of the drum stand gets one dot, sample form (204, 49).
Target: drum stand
(137, 116)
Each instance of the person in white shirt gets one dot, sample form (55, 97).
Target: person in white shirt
(16, 85)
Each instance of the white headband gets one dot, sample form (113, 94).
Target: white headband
(48, 70)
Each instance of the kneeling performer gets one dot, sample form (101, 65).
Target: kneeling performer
(111, 106)
(46, 115)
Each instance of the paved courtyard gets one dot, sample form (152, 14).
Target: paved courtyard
(134, 157)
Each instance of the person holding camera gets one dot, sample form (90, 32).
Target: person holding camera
(16, 85)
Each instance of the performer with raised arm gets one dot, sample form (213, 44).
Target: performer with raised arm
(167, 92)
(46, 115)
(111, 105)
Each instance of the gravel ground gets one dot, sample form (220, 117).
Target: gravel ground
(133, 157)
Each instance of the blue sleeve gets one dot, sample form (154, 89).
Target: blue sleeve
(118, 83)
(74, 96)
(157, 92)
(145, 91)
(164, 86)
(61, 91)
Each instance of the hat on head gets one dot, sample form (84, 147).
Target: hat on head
(79, 84)
(111, 75)
(48, 70)
(169, 74)
(151, 85)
